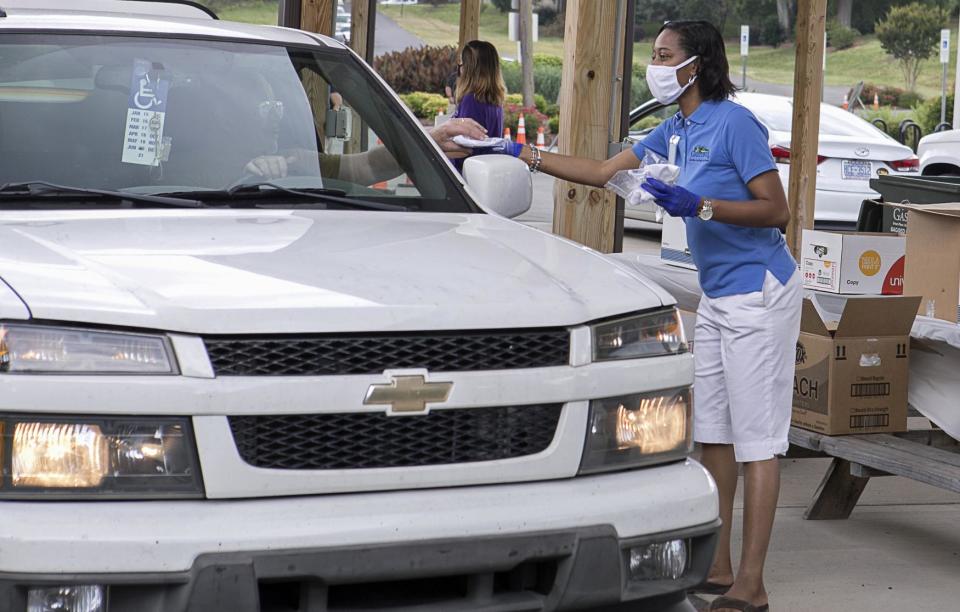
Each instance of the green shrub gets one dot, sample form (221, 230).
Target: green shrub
(650, 121)
(532, 119)
(909, 99)
(886, 95)
(546, 79)
(927, 114)
(539, 102)
(889, 116)
(840, 37)
(771, 33)
(554, 124)
(542, 59)
(639, 92)
(425, 105)
(548, 16)
(417, 68)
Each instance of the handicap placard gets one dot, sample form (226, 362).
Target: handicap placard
(146, 111)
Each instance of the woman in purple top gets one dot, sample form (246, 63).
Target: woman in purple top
(480, 89)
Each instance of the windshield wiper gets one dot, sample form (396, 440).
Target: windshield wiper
(43, 188)
(314, 194)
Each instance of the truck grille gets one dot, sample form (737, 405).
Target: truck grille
(363, 354)
(374, 440)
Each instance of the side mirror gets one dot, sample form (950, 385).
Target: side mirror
(502, 184)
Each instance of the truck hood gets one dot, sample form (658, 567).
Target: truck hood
(214, 271)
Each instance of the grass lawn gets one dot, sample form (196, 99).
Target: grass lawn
(866, 61)
(256, 11)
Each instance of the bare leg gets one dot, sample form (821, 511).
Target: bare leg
(720, 462)
(761, 490)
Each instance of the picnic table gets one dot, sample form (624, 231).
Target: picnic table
(929, 452)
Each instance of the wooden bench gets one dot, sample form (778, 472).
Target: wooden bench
(929, 456)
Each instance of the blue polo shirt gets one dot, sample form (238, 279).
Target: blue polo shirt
(722, 148)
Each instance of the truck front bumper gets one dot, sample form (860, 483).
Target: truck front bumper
(546, 545)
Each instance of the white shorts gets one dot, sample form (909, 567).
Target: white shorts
(744, 351)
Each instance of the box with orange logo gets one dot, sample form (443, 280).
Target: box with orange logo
(853, 263)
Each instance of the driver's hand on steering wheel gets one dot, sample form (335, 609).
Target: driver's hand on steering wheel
(270, 166)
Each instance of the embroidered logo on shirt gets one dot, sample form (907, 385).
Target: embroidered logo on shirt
(700, 153)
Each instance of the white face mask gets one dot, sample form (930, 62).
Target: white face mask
(663, 82)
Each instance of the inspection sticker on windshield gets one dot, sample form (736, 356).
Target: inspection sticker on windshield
(146, 110)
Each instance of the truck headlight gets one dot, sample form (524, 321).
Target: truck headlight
(637, 430)
(98, 457)
(649, 335)
(43, 349)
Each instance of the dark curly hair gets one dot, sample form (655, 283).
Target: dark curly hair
(703, 39)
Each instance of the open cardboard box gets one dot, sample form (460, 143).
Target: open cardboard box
(852, 371)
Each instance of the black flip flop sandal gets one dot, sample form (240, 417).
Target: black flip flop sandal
(729, 603)
(711, 588)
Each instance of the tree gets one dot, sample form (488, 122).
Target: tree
(784, 14)
(845, 13)
(911, 34)
(526, 49)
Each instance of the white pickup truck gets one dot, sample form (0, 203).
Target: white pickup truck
(252, 360)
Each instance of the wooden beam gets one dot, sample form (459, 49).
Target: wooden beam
(837, 495)
(807, 83)
(318, 15)
(359, 27)
(469, 21)
(582, 213)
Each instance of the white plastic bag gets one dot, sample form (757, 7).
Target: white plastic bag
(626, 183)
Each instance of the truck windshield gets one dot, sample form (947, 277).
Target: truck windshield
(155, 116)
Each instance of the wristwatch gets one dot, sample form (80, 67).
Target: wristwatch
(706, 210)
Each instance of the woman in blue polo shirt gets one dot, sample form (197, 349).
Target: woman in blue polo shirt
(733, 204)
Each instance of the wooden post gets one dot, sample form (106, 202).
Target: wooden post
(807, 83)
(469, 21)
(317, 16)
(587, 214)
(360, 30)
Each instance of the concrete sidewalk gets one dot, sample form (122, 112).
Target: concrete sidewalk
(899, 550)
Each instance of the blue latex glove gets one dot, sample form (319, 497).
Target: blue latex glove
(677, 201)
(507, 147)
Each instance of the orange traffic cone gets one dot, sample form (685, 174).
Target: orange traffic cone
(541, 139)
(521, 132)
(506, 133)
(876, 101)
(846, 103)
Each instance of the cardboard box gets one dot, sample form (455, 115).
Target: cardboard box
(852, 374)
(674, 249)
(933, 259)
(852, 263)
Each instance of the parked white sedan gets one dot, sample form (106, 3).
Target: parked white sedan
(851, 152)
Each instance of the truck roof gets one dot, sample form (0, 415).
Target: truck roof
(169, 18)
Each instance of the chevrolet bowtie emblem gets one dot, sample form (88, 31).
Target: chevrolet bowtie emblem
(408, 393)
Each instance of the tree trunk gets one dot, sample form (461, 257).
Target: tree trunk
(845, 12)
(526, 50)
(783, 14)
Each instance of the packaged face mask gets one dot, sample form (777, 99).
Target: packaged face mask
(626, 183)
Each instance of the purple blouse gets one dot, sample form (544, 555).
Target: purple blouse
(489, 116)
